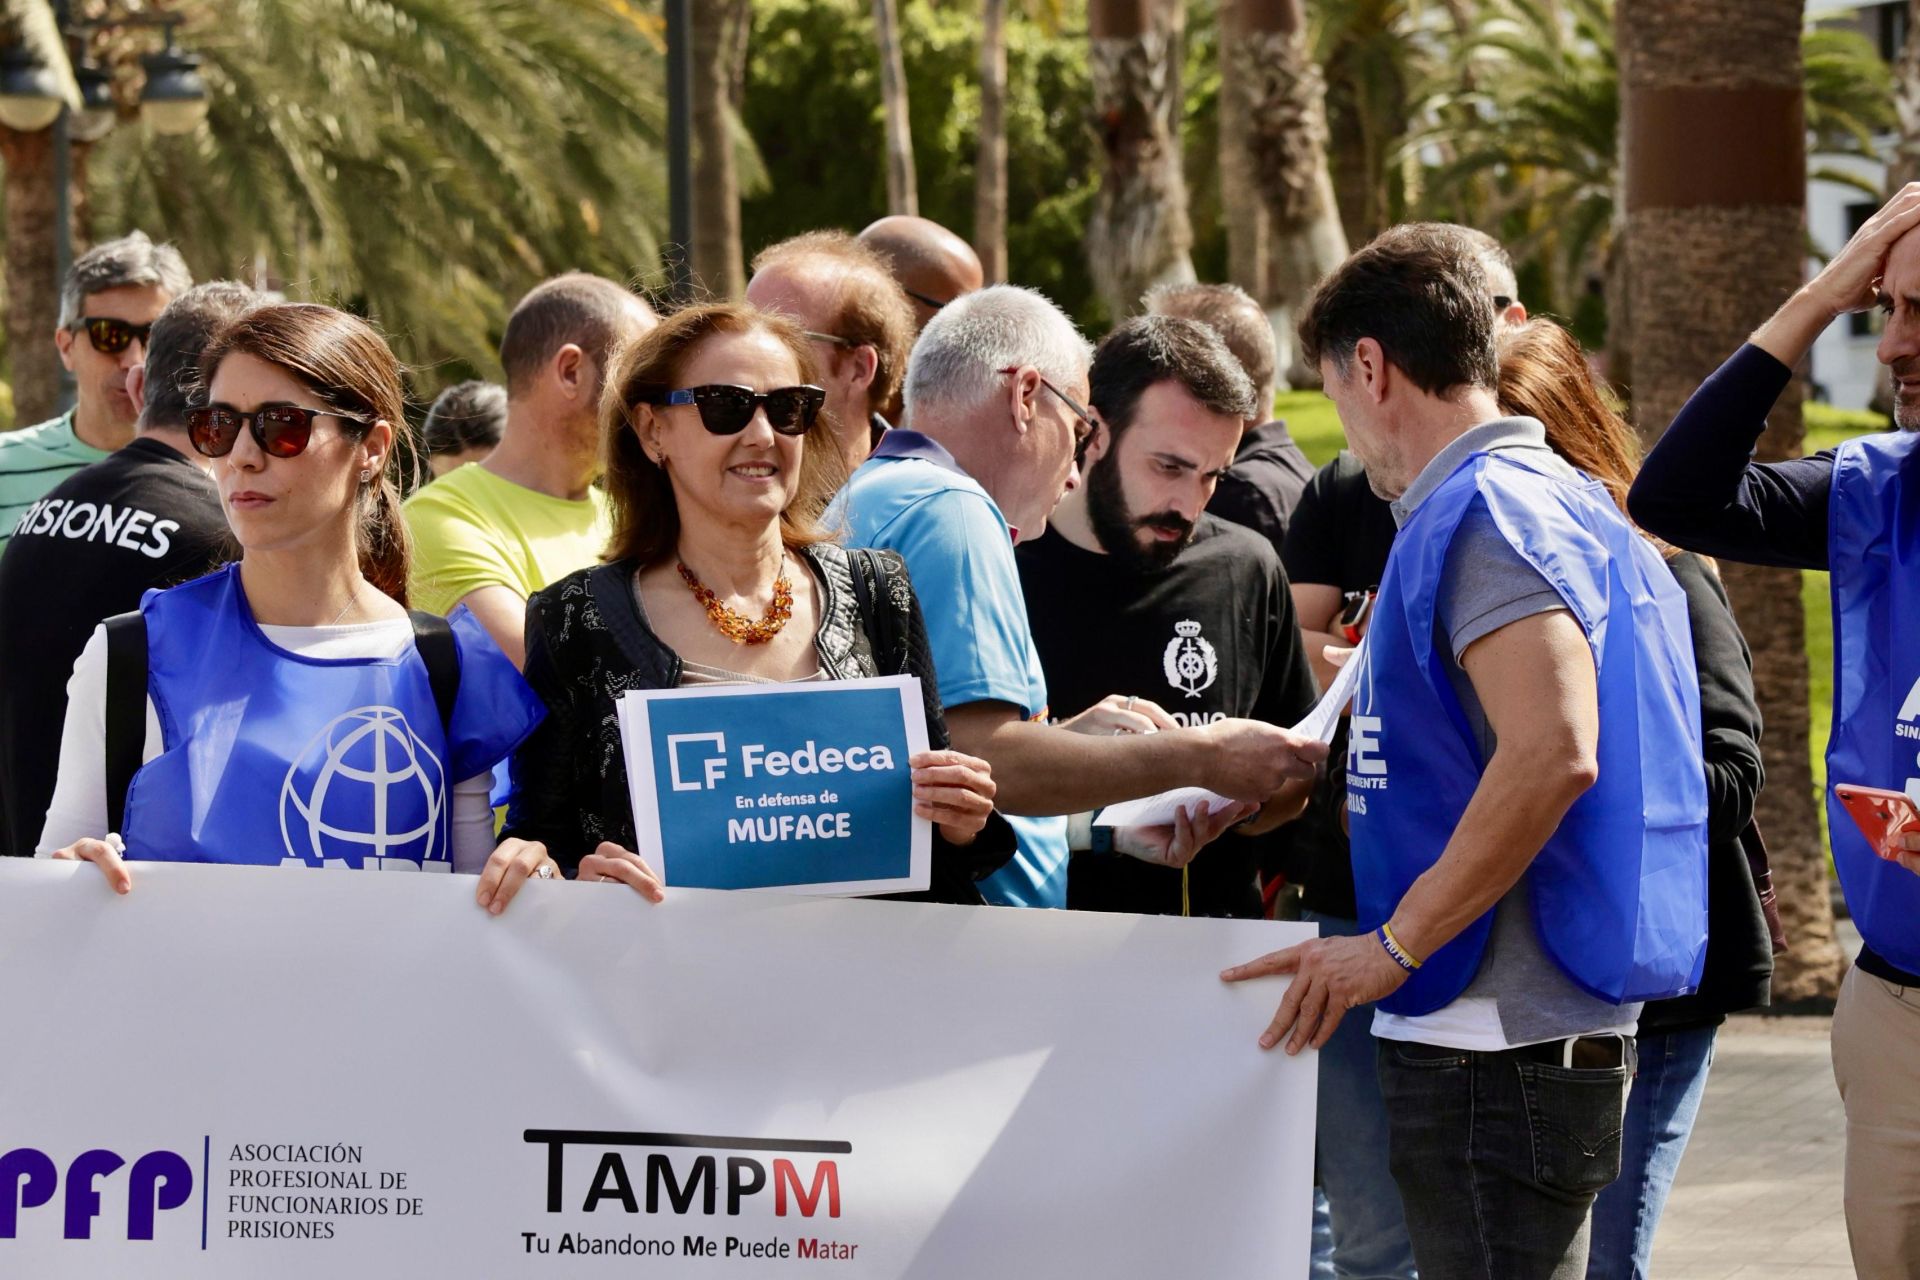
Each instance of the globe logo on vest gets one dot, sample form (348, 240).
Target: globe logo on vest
(364, 792)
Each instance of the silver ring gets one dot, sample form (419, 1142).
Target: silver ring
(1130, 701)
(545, 872)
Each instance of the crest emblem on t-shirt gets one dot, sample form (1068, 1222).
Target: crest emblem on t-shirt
(1189, 661)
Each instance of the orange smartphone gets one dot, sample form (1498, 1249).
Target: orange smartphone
(1882, 816)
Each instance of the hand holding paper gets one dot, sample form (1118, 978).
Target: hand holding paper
(1320, 722)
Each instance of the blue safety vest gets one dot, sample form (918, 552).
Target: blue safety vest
(1619, 892)
(1873, 541)
(275, 758)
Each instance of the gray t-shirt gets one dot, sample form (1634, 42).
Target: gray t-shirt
(1486, 585)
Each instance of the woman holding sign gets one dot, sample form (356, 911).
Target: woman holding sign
(287, 709)
(719, 573)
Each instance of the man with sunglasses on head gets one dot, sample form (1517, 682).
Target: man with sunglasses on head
(860, 323)
(108, 303)
(933, 265)
(145, 517)
(490, 534)
(996, 395)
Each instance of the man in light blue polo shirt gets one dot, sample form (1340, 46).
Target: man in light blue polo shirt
(993, 397)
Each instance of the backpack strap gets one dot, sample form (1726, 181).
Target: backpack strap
(126, 709)
(876, 610)
(433, 637)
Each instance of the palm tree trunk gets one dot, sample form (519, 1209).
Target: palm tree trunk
(1714, 158)
(1287, 142)
(716, 256)
(990, 168)
(33, 287)
(1139, 234)
(903, 194)
(1242, 209)
(1905, 166)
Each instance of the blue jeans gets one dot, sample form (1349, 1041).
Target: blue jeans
(1660, 1112)
(1499, 1155)
(1360, 1230)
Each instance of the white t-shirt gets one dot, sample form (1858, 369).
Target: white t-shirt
(79, 807)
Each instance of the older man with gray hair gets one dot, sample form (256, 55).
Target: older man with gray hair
(995, 393)
(108, 303)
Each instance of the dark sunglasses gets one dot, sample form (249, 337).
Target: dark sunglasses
(1083, 431)
(109, 336)
(281, 430)
(726, 410)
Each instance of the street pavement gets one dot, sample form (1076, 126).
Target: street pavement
(1758, 1195)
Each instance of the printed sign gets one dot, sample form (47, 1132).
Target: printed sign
(797, 787)
(237, 1072)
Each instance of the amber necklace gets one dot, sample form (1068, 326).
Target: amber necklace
(736, 626)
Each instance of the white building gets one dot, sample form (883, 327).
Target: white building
(1845, 373)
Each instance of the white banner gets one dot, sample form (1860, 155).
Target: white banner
(246, 1072)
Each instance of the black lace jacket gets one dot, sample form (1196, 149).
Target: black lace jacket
(587, 643)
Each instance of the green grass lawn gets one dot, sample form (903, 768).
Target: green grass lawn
(1314, 425)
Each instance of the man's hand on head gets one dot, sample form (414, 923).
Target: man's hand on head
(1850, 282)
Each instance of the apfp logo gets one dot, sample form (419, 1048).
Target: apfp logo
(159, 1181)
(365, 791)
(1189, 661)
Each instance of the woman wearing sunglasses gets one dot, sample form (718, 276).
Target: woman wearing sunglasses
(295, 713)
(719, 465)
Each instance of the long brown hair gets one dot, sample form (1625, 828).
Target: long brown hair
(1544, 374)
(646, 519)
(352, 372)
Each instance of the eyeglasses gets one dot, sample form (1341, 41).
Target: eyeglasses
(924, 300)
(832, 339)
(109, 336)
(726, 410)
(281, 430)
(1083, 430)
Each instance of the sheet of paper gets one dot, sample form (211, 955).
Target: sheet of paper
(1320, 722)
(1158, 811)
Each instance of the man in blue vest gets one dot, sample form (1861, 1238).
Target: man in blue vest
(1849, 510)
(1525, 788)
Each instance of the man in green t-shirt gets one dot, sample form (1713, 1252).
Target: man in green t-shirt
(108, 302)
(490, 534)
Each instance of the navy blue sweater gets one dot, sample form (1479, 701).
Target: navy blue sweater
(1700, 489)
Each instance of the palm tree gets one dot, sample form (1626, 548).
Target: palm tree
(1542, 120)
(1271, 68)
(33, 285)
(1377, 56)
(990, 169)
(421, 160)
(720, 30)
(903, 189)
(1139, 234)
(1714, 155)
(1906, 159)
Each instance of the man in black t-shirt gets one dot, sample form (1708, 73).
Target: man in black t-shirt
(147, 516)
(1262, 487)
(1135, 590)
